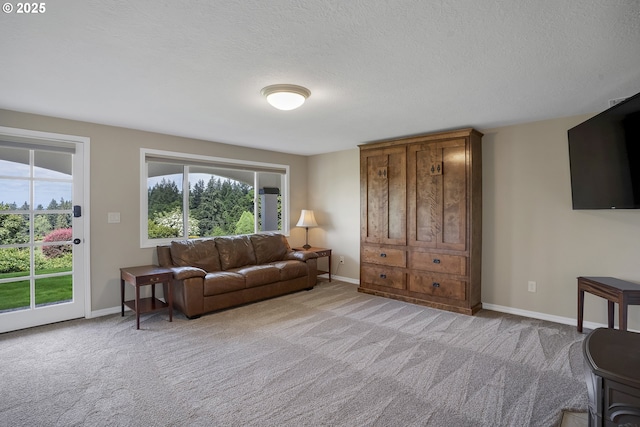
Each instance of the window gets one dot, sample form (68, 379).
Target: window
(187, 196)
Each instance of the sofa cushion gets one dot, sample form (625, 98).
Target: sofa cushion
(164, 255)
(258, 275)
(221, 282)
(235, 251)
(269, 247)
(201, 253)
(291, 269)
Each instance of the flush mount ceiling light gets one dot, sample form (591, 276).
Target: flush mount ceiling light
(286, 97)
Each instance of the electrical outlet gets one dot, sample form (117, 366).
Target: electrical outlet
(341, 259)
(532, 286)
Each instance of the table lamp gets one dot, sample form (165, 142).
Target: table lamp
(307, 219)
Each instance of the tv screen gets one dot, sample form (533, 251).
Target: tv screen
(604, 156)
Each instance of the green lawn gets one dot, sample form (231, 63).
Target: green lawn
(15, 295)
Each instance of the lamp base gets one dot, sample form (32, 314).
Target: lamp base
(306, 246)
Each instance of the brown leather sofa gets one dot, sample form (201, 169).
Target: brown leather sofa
(221, 272)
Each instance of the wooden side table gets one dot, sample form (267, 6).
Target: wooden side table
(142, 276)
(614, 291)
(322, 252)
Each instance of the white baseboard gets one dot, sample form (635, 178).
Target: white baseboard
(105, 312)
(341, 278)
(109, 311)
(543, 316)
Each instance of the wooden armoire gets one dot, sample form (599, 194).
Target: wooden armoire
(421, 219)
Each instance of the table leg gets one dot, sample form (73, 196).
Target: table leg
(622, 308)
(610, 310)
(580, 308)
(137, 303)
(170, 300)
(329, 268)
(122, 296)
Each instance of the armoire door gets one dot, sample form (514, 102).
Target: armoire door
(437, 191)
(383, 196)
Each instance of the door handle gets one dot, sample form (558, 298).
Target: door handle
(76, 241)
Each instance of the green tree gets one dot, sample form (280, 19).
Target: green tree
(218, 231)
(42, 227)
(195, 195)
(207, 208)
(14, 228)
(215, 207)
(245, 224)
(165, 196)
(53, 205)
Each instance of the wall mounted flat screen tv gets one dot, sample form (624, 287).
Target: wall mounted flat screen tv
(604, 156)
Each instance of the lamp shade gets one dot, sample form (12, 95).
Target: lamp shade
(307, 219)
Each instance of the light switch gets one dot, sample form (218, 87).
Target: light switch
(113, 217)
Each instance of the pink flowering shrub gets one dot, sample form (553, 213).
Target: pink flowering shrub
(59, 235)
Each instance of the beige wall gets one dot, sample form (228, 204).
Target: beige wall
(114, 180)
(530, 231)
(334, 195)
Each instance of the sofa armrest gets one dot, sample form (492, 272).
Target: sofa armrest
(301, 255)
(183, 273)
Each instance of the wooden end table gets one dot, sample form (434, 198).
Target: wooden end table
(614, 291)
(142, 276)
(322, 252)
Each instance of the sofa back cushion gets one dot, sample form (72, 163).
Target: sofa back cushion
(269, 247)
(201, 253)
(235, 251)
(164, 256)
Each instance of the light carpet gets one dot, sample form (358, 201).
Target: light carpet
(326, 357)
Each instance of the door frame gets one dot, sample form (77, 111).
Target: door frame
(18, 135)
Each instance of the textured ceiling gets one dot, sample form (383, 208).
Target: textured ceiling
(376, 68)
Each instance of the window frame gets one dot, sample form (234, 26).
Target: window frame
(187, 159)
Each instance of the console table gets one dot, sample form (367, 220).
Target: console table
(142, 276)
(613, 382)
(614, 291)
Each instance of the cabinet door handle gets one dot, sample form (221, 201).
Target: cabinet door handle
(436, 261)
(383, 276)
(383, 255)
(436, 284)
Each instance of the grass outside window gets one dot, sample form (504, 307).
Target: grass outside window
(15, 295)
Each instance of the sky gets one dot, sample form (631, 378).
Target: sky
(48, 184)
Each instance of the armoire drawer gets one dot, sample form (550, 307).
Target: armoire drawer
(438, 263)
(440, 286)
(384, 256)
(384, 277)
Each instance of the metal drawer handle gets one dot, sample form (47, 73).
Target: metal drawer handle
(383, 255)
(383, 276)
(436, 261)
(436, 284)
